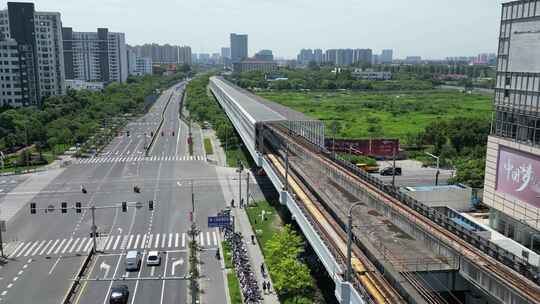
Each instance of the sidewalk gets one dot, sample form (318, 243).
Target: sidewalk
(242, 224)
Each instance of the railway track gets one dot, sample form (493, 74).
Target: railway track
(376, 286)
(523, 286)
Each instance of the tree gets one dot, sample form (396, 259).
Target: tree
(291, 278)
(284, 244)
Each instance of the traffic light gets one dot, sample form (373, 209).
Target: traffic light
(64, 207)
(191, 216)
(136, 189)
(151, 134)
(162, 133)
(124, 206)
(78, 206)
(173, 133)
(32, 208)
(150, 205)
(92, 234)
(127, 133)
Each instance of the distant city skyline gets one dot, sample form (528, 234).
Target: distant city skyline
(397, 25)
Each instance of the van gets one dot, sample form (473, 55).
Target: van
(133, 260)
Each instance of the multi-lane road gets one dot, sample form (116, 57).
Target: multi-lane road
(45, 250)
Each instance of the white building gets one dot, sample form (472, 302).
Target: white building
(369, 74)
(95, 56)
(31, 45)
(75, 84)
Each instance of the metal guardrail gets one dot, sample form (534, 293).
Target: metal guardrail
(77, 279)
(159, 127)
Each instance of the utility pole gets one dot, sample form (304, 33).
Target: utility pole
(247, 188)
(394, 167)
(287, 167)
(94, 229)
(438, 172)
(240, 168)
(334, 127)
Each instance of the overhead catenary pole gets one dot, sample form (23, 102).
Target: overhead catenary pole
(94, 229)
(348, 277)
(247, 188)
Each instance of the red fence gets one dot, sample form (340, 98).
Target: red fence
(369, 147)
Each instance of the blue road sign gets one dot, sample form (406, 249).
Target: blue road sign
(219, 221)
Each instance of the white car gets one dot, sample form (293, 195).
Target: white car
(153, 259)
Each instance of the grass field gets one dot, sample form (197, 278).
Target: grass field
(390, 115)
(208, 146)
(234, 288)
(264, 229)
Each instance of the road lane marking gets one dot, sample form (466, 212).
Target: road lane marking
(45, 248)
(59, 246)
(137, 283)
(164, 274)
(176, 240)
(175, 264)
(67, 245)
(54, 266)
(170, 240)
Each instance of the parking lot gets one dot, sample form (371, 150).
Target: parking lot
(413, 174)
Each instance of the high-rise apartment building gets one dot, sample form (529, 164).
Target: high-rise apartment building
(184, 55)
(318, 55)
(225, 52)
(387, 56)
(364, 56)
(99, 56)
(32, 65)
(239, 47)
(512, 180)
(305, 56)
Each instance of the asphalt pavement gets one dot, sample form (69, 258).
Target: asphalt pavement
(45, 250)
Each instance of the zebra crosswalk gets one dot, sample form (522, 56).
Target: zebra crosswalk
(111, 243)
(137, 158)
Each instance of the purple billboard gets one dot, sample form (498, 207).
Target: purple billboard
(518, 174)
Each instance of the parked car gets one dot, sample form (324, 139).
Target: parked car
(153, 259)
(389, 171)
(119, 295)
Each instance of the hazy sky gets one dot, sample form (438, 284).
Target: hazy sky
(429, 28)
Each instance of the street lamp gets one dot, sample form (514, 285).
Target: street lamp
(349, 241)
(436, 174)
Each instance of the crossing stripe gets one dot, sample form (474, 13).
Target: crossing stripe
(124, 242)
(16, 249)
(74, 245)
(38, 247)
(129, 242)
(201, 238)
(163, 237)
(45, 248)
(59, 246)
(81, 244)
(183, 239)
(149, 242)
(215, 238)
(89, 245)
(67, 245)
(52, 247)
(116, 242)
(24, 249)
(157, 240)
(137, 241)
(176, 240)
(31, 248)
(143, 242)
(109, 242)
(208, 238)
